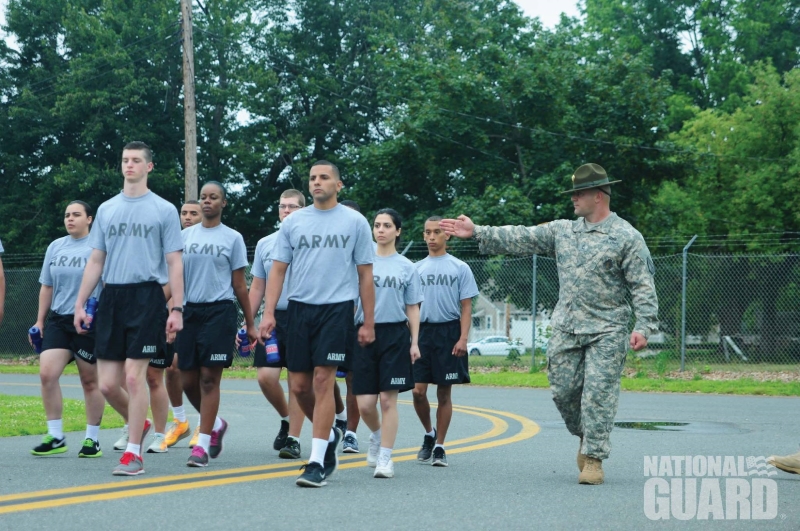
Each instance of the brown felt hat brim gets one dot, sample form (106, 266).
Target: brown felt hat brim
(589, 187)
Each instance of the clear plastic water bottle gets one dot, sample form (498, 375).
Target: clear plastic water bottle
(271, 344)
(91, 308)
(36, 338)
(244, 346)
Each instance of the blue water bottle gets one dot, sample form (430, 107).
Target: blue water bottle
(341, 372)
(271, 344)
(91, 308)
(36, 338)
(244, 346)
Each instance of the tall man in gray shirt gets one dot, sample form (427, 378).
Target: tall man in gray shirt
(330, 249)
(137, 246)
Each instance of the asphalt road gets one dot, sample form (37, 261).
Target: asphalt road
(512, 466)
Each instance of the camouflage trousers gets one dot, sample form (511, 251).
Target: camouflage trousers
(584, 372)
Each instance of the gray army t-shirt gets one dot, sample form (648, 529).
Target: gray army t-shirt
(446, 281)
(210, 256)
(324, 247)
(396, 285)
(62, 269)
(262, 264)
(136, 233)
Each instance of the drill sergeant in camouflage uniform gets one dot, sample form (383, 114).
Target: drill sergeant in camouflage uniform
(600, 258)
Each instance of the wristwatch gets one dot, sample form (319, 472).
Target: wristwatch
(176, 309)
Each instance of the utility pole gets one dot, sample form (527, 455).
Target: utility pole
(189, 109)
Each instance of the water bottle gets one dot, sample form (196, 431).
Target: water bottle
(271, 344)
(91, 308)
(341, 372)
(244, 346)
(36, 338)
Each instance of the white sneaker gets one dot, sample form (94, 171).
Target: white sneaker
(122, 442)
(385, 469)
(374, 450)
(159, 444)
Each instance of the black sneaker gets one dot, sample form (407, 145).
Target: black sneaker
(51, 446)
(341, 424)
(331, 462)
(350, 444)
(291, 450)
(439, 457)
(90, 448)
(313, 476)
(428, 443)
(280, 440)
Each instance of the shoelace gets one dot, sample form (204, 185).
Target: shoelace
(214, 438)
(127, 457)
(88, 442)
(198, 451)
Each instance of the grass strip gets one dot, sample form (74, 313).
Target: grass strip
(24, 415)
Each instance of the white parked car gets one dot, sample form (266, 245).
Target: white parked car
(493, 346)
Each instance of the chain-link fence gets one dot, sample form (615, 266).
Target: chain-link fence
(741, 311)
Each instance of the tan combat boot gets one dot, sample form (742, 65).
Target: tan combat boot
(787, 463)
(592, 473)
(581, 457)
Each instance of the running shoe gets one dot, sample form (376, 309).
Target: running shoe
(439, 457)
(385, 469)
(428, 443)
(195, 436)
(374, 450)
(122, 442)
(177, 431)
(51, 446)
(130, 464)
(159, 444)
(350, 444)
(341, 424)
(90, 448)
(216, 440)
(313, 476)
(280, 440)
(331, 462)
(291, 450)
(199, 457)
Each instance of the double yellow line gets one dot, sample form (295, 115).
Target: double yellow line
(28, 501)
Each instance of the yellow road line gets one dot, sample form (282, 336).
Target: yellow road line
(129, 489)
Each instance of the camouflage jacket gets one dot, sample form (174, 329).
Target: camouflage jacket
(597, 267)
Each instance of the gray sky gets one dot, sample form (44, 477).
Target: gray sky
(548, 11)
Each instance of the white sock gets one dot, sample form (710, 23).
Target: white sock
(286, 418)
(92, 432)
(135, 449)
(179, 413)
(332, 436)
(439, 446)
(348, 432)
(204, 440)
(342, 415)
(217, 424)
(318, 447)
(56, 428)
(431, 433)
(375, 436)
(386, 454)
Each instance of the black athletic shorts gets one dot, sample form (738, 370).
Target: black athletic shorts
(384, 365)
(352, 342)
(282, 329)
(131, 321)
(208, 338)
(436, 364)
(164, 357)
(59, 332)
(318, 335)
